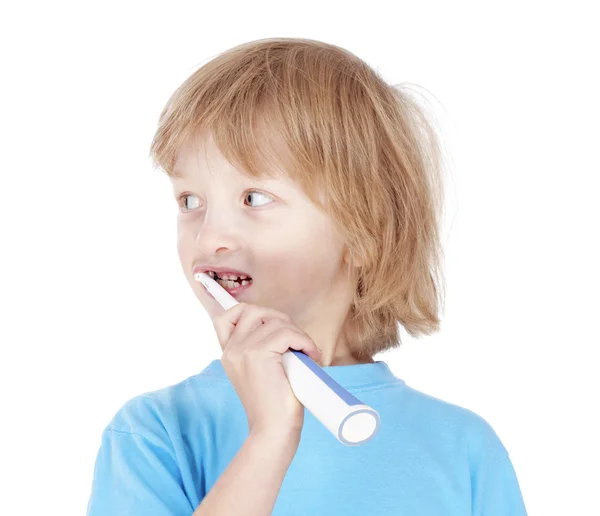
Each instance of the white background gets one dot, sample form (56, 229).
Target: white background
(95, 307)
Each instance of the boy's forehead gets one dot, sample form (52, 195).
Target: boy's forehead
(231, 176)
(194, 153)
(200, 159)
(200, 170)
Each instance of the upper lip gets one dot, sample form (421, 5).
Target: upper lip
(219, 270)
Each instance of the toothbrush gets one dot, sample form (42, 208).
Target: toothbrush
(350, 421)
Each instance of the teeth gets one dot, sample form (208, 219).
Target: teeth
(230, 284)
(232, 277)
(228, 280)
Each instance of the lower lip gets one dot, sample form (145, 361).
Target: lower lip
(235, 292)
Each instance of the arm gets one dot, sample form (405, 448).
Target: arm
(252, 481)
(137, 475)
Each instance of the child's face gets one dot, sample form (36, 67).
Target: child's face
(286, 244)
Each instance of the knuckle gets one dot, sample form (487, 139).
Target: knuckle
(276, 321)
(289, 333)
(281, 316)
(295, 330)
(250, 311)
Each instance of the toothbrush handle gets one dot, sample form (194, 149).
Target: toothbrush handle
(346, 417)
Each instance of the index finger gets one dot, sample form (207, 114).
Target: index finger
(225, 322)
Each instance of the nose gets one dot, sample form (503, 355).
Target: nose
(217, 232)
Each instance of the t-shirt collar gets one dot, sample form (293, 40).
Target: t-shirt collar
(354, 375)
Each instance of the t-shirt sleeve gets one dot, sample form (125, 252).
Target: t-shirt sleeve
(136, 475)
(496, 492)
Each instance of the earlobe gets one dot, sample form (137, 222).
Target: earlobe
(348, 259)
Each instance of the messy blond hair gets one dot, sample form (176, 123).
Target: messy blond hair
(361, 150)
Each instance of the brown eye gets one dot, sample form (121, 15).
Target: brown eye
(250, 192)
(181, 199)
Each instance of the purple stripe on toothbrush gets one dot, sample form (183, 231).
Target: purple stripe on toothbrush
(335, 387)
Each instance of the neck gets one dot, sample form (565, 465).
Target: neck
(326, 324)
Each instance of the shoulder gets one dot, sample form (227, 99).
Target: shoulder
(166, 410)
(465, 425)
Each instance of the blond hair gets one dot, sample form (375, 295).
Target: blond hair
(361, 150)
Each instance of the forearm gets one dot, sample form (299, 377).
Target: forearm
(251, 483)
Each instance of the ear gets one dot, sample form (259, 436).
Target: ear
(349, 260)
(345, 256)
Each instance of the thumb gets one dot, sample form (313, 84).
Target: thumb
(225, 322)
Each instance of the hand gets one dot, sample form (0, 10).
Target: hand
(253, 338)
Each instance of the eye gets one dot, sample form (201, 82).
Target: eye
(250, 192)
(181, 199)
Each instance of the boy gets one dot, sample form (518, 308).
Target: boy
(344, 247)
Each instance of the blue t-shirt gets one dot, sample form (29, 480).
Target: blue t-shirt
(163, 451)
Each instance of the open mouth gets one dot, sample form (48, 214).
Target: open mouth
(230, 281)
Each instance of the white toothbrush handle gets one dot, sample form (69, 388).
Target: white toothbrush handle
(345, 416)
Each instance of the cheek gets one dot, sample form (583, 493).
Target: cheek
(303, 264)
(185, 243)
